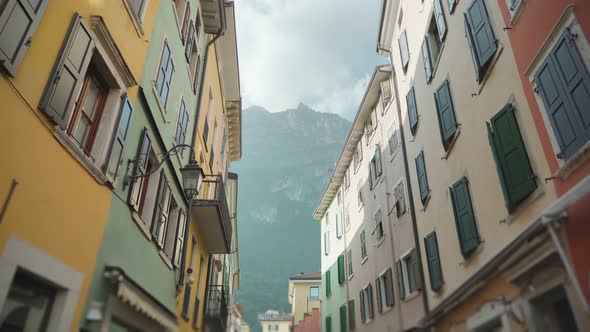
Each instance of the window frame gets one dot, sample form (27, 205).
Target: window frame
(162, 71)
(314, 298)
(349, 264)
(363, 242)
(401, 183)
(379, 226)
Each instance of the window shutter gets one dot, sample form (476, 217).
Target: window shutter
(481, 36)
(328, 284)
(186, 300)
(513, 165)
(422, 177)
(389, 287)
(439, 15)
(426, 57)
(412, 110)
(114, 162)
(161, 208)
(451, 4)
(179, 245)
(328, 324)
(415, 268)
(385, 92)
(403, 49)
(363, 313)
(564, 85)
(351, 315)
(68, 74)
(469, 37)
(142, 158)
(400, 279)
(371, 173)
(378, 289)
(341, 269)
(343, 319)
(446, 113)
(18, 22)
(370, 298)
(378, 167)
(188, 51)
(464, 217)
(434, 268)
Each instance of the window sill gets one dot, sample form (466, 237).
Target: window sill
(350, 276)
(515, 14)
(386, 310)
(392, 155)
(178, 21)
(370, 136)
(467, 260)
(425, 203)
(535, 195)
(380, 241)
(411, 296)
(166, 260)
(161, 107)
(401, 218)
(490, 68)
(574, 162)
(361, 206)
(142, 226)
(364, 260)
(135, 19)
(79, 155)
(446, 154)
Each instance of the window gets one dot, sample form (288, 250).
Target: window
(346, 179)
(452, 4)
(161, 210)
(346, 218)
(181, 125)
(375, 168)
(165, 72)
(433, 40)
(446, 114)
(28, 304)
(190, 42)
(137, 6)
(314, 293)
(384, 285)
(393, 141)
(514, 7)
(327, 218)
(18, 21)
(338, 226)
(385, 94)
(343, 320)
(276, 327)
(408, 274)
(412, 110)
(366, 299)
(209, 110)
(433, 259)
(378, 225)
(326, 243)
(85, 100)
(512, 161)
(358, 154)
(480, 37)
(363, 245)
(464, 217)
(359, 188)
(399, 199)
(338, 199)
(371, 125)
(179, 245)
(349, 262)
(422, 177)
(341, 272)
(351, 316)
(403, 50)
(328, 284)
(564, 84)
(329, 324)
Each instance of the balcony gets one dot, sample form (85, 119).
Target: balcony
(213, 13)
(212, 216)
(215, 312)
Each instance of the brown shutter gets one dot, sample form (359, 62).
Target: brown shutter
(143, 155)
(68, 73)
(18, 22)
(378, 288)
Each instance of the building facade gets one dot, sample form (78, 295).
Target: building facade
(304, 295)
(273, 321)
(70, 71)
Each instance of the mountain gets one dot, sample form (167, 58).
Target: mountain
(286, 162)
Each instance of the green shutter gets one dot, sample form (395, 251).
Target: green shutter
(389, 288)
(351, 315)
(400, 279)
(328, 284)
(446, 113)
(329, 324)
(403, 50)
(362, 301)
(343, 319)
(439, 15)
(341, 269)
(513, 165)
(422, 177)
(415, 268)
(412, 110)
(378, 289)
(426, 58)
(432, 256)
(116, 149)
(481, 36)
(464, 217)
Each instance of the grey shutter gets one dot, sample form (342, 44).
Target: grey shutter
(18, 22)
(426, 57)
(422, 177)
(451, 4)
(416, 270)
(370, 295)
(389, 287)
(432, 256)
(439, 16)
(188, 51)
(476, 62)
(412, 110)
(186, 300)
(400, 279)
(378, 289)
(378, 166)
(482, 35)
(362, 300)
(371, 173)
(564, 85)
(446, 113)
(159, 207)
(68, 73)
(119, 139)
(142, 158)
(464, 217)
(179, 245)
(351, 315)
(403, 49)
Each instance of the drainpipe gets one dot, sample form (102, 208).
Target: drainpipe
(409, 185)
(193, 156)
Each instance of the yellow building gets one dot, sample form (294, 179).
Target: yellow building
(67, 68)
(274, 321)
(304, 294)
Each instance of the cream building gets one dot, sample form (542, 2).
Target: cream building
(304, 294)
(274, 321)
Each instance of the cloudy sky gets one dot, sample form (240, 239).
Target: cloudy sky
(319, 52)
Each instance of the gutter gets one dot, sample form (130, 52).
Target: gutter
(180, 282)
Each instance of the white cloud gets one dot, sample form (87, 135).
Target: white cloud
(319, 52)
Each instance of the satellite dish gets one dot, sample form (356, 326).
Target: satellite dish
(517, 312)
